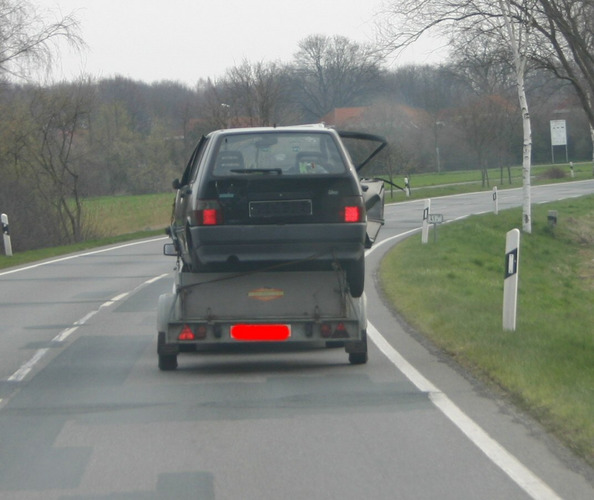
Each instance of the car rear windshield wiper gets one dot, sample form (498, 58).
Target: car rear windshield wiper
(278, 171)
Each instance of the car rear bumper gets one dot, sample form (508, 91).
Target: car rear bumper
(239, 244)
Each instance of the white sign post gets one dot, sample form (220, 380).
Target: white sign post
(558, 137)
(495, 201)
(510, 283)
(6, 235)
(425, 230)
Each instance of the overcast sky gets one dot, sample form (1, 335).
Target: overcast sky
(186, 40)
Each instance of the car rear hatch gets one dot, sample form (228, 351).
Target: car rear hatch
(272, 199)
(363, 148)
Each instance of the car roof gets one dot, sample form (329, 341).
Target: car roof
(318, 127)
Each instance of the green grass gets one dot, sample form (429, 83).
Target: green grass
(431, 185)
(117, 215)
(113, 219)
(452, 292)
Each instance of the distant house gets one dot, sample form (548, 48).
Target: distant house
(342, 117)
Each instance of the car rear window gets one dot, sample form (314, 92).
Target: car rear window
(282, 153)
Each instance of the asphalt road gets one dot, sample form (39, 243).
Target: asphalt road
(85, 413)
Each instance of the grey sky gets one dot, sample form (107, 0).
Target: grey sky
(185, 40)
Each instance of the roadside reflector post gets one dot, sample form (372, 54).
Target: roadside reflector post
(495, 201)
(6, 235)
(510, 282)
(552, 218)
(425, 230)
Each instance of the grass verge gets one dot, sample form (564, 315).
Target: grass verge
(452, 292)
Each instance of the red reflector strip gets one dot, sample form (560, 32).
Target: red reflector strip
(261, 333)
(186, 334)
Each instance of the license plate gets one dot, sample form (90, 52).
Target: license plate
(286, 208)
(260, 333)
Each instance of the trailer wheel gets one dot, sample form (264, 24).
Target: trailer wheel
(355, 273)
(357, 351)
(167, 361)
(358, 358)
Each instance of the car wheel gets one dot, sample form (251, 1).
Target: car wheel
(355, 273)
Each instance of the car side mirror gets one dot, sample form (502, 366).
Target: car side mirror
(170, 250)
(176, 184)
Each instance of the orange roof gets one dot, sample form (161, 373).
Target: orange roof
(342, 116)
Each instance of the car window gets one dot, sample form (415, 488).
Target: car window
(300, 153)
(190, 171)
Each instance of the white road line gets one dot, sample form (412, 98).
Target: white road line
(70, 257)
(508, 463)
(26, 368)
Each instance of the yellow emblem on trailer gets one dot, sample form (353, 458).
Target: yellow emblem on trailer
(266, 294)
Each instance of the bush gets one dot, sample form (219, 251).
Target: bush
(554, 173)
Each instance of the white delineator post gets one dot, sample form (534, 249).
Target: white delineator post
(510, 283)
(6, 235)
(425, 230)
(495, 201)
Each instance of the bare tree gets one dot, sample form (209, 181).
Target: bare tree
(27, 40)
(504, 24)
(60, 117)
(254, 92)
(333, 72)
(567, 29)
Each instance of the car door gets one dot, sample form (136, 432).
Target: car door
(363, 148)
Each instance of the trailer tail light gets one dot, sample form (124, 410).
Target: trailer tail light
(338, 331)
(326, 330)
(201, 331)
(208, 213)
(186, 334)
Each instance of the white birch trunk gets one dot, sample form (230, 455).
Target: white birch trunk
(520, 65)
(592, 136)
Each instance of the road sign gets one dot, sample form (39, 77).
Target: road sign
(435, 218)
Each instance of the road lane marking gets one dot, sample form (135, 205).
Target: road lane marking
(26, 368)
(508, 463)
(78, 255)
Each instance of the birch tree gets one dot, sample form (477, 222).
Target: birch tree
(566, 46)
(503, 24)
(27, 39)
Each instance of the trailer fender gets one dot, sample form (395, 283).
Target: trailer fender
(164, 311)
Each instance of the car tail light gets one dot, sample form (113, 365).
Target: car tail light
(352, 210)
(352, 214)
(208, 213)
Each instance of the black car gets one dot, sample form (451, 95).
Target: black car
(276, 198)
